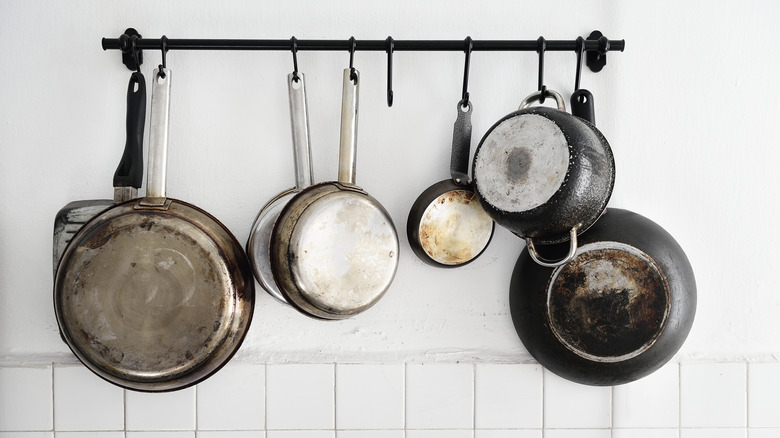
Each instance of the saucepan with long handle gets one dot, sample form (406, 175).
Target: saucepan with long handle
(334, 248)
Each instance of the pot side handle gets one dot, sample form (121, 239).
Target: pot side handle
(552, 263)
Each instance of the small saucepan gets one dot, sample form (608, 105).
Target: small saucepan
(334, 248)
(259, 242)
(446, 226)
(544, 174)
(615, 313)
(154, 294)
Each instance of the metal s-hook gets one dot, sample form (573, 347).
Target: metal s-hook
(134, 51)
(164, 50)
(390, 49)
(469, 46)
(541, 47)
(580, 49)
(352, 47)
(294, 48)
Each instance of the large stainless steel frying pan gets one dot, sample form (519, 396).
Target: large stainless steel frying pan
(154, 294)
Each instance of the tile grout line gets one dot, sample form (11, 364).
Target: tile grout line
(544, 398)
(747, 396)
(265, 398)
(474, 399)
(52, 399)
(196, 410)
(406, 394)
(679, 399)
(335, 401)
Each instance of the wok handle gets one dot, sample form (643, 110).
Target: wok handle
(461, 144)
(299, 119)
(129, 173)
(349, 119)
(158, 138)
(552, 263)
(582, 105)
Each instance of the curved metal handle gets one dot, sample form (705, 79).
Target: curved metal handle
(158, 138)
(537, 96)
(349, 118)
(299, 119)
(551, 263)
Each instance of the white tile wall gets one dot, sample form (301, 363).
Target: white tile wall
(26, 434)
(508, 396)
(370, 396)
(26, 399)
(300, 396)
(713, 395)
(651, 402)
(569, 405)
(160, 411)
(432, 400)
(764, 395)
(84, 401)
(440, 396)
(232, 399)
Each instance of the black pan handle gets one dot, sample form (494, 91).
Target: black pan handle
(461, 144)
(582, 105)
(129, 173)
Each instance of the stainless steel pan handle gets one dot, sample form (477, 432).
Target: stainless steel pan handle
(349, 120)
(299, 119)
(158, 139)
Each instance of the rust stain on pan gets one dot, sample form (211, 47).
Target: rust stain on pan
(454, 228)
(609, 304)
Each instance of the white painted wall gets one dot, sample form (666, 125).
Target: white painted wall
(690, 109)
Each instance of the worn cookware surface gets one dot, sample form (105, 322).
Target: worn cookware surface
(154, 294)
(617, 312)
(258, 245)
(447, 226)
(543, 173)
(334, 248)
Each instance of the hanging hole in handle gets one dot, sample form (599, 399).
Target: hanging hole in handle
(582, 98)
(547, 263)
(296, 83)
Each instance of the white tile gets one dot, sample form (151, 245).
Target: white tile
(577, 433)
(439, 434)
(439, 396)
(233, 399)
(507, 433)
(508, 396)
(713, 395)
(369, 434)
(89, 434)
(85, 402)
(570, 405)
(370, 396)
(160, 434)
(26, 434)
(231, 434)
(25, 398)
(764, 395)
(715, 433)
(160, 411)
(645, 433)
(300, 434)
(300, 396)
(650, 402)
(763, 433)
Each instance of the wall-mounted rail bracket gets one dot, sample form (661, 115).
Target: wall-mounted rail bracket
(596, 60)
(128, 59)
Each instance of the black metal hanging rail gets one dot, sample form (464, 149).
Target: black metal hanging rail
(595, 47)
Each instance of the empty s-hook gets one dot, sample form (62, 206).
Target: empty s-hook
(390, 48)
